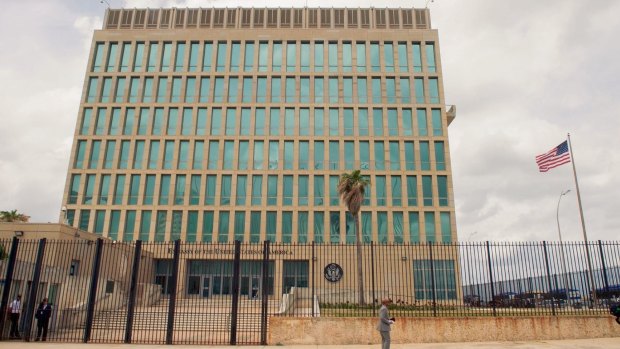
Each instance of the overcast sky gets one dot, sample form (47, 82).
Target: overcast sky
(522, 74)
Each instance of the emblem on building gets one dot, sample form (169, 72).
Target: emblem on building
(333, 272)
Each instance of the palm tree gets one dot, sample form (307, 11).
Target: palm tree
(352, 187)
(13, 216)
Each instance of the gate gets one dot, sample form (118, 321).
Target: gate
(224, 293)
(155, 293)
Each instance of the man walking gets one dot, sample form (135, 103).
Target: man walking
(384, 324)
(14, 310)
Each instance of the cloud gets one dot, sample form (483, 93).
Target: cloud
(522, 75)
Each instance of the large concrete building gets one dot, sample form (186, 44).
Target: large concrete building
(215, 125)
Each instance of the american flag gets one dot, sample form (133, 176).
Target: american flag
(553, 158)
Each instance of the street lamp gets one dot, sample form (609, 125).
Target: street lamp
(557, 217)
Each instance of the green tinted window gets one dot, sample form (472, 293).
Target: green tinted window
(220, 62)
(108, 160)
(319, 230)
(104, 189)
(360, 48)
(183, 155)
(397, 227)
(425, 162)
(257, 190)
(272, 190)
(381, 190)
(255, 226)
(164, 190)
(99, 47)
(403, 61)
(388, 56)
(318, 56)
(179, 61)
(134, 190)
(412, 190)
(179, 191)
(225, 190)
(258, 160)
(214, 151)
(397, 188)
(242, 183)
(119, 190)
(223, 228)
(382, 227)
(138, 155)
(210, 190)
(417, 57)
(153, 155)
(194, 189)
(287, 190)
(414, 227)
(429, 226)
(93, 160)
(207, 57)
(149, 190)
(165, 59)
(319, 190)
(151, 64)
(302, 187)
(442, 190)
(427, 190)
(446, 229)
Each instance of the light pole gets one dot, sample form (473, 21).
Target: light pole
(557, 217)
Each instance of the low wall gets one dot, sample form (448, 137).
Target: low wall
(339, 331)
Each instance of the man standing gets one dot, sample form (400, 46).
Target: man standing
(14, 310)
(384, 324)
(44, 312)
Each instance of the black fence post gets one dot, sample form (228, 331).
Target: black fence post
(131, 302)
(8, 280)
(235, 293)
(264, 294)
(92, 294)
(173, 291)
(312, 278)
(32, 297)
(552, 292)
(372, 272)
(430, 256)
(491, 279)
(605, 280)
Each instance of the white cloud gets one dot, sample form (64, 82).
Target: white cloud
(522, 75)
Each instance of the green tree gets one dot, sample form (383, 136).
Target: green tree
(352, 188)
(13, 216)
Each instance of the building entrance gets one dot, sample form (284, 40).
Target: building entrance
(209, 278)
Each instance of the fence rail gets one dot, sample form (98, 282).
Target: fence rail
(225, 293)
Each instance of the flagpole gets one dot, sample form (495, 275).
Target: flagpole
(583, 224)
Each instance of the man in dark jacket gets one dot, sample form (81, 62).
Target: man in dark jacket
(44, 312)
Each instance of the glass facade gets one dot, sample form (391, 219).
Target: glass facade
(245, 138)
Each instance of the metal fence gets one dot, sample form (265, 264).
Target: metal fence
(194, 293)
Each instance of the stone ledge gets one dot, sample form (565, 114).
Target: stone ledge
(339, 331)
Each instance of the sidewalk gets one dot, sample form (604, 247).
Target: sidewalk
(597, 343)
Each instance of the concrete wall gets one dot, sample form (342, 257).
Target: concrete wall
(339, 331)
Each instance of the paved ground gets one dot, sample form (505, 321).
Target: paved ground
(598, 343)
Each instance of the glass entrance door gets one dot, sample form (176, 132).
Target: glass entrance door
(206, 286)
